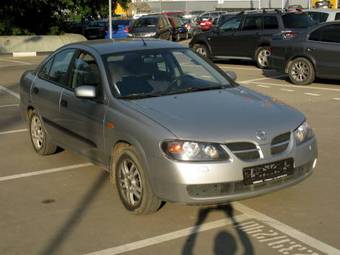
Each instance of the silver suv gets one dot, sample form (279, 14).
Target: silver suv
(167, 125)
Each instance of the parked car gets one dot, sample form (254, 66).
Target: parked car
(96, 29)
(206, 20)
(155, 26)
(179, 30)
(167, 124)
(192, 14)
(192, 27)
(138, 15)
(120, 28)
(248, 35)
(323, 15)
(315, 53)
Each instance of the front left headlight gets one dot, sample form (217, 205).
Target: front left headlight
(303, 133)
(194, 151)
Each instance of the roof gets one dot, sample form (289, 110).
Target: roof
(321, 10)
(108, 46)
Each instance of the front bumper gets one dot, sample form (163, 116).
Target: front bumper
(212, 183)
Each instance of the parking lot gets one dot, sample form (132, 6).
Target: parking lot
(62, 204)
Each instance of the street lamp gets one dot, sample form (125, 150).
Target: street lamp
(110, 19)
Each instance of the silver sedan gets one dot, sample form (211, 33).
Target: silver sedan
(166, 123)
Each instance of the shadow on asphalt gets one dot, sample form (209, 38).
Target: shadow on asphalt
(224, 243)
(66, 229)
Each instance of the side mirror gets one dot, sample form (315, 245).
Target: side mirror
(232, 75)
(85, 91)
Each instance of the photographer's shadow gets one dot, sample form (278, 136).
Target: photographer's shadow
(224, 243)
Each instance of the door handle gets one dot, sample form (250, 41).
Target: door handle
(35, 90)
(63, 103)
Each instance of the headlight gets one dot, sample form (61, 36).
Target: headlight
(303, 133)
(194, 151)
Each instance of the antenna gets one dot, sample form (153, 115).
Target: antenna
(144, 43)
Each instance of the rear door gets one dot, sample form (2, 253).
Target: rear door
(83, 119)
(222, 39)
(47, 88)
(270, 27)
(324, 46)
(247, 38)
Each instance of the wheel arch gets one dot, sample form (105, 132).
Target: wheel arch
(291, 59)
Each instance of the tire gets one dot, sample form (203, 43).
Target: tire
(40, 139)
(262, 54)
(202, 50)
(132, 184)
(301, 71)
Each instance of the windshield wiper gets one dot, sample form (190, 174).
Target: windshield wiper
(139, 95)
(195, 89)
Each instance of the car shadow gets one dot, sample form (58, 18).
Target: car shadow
(224, 243)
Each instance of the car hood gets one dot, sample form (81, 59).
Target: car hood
(233, 114)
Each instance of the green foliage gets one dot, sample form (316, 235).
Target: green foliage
(18, 17)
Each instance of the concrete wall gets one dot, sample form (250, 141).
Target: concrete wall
(37, 43)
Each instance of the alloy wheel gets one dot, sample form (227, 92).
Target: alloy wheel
(300, 71)
(37, 132)
(130, 182)
(262, 57)
(202, 51)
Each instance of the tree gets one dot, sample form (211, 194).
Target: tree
(45, 16)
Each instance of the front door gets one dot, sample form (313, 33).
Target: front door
(83, 119)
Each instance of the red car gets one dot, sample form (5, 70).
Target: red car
(206, 24)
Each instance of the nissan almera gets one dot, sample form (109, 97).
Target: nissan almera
(166, 123)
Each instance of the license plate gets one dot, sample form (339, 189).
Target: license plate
(268, 172)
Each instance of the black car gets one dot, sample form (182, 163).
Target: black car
(248, 35)
(315, 53)
(96, 29)
(152, 26)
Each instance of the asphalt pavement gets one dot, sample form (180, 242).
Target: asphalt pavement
(62, 204)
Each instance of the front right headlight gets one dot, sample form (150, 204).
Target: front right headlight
(303, 133)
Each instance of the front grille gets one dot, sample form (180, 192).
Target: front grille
(244, 150)
(280, 143)
(230, 188)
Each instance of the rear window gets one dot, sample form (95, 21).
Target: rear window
(318, 17)
(297, 20)
(146, 22)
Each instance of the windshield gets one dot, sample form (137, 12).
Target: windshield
(297, 20)
(145, 22)
(157, 73)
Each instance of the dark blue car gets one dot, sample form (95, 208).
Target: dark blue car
(120, 29)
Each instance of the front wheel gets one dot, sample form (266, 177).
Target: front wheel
(262, 54)
(301, 71)
(132, 184)
(41, 140)
(202, 50)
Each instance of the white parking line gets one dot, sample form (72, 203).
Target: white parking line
(9, 105)
(168, 237)
(10, 92)
(288, 90)
(263, 86)
(13, 131)
(238, 68)
(265, 78)
(336, 98)
(306, 239)
(312, 94)
(48, 171)
(248, 213)
(297, 87)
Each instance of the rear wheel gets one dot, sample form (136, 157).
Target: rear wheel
(202, 50)
(262, 54)
(301, 71)
(41, 141)
(131, 182)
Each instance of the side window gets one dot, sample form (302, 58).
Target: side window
(231, 24)
(252, 23)
(331, 34)
(85, 71)
(44, 72)
(58, 72)
(315, 35)
(270, 22)
(318, 16)
(337, 16)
